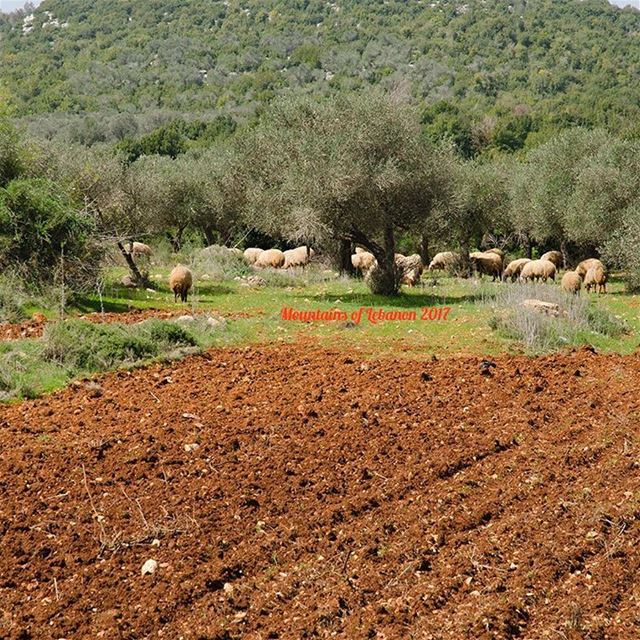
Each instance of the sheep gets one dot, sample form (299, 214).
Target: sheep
(251, 254)
(585, 265)
(553, 256)
(141, 249)
(363, 261)
(411, 268)
(443, 260)
(571, 282)
(487, 263)
(298, 257)
(514, 268)
(498, 252)
(596, 277)
(273, 258)
(235, 251)
(180, 282)
(538, 270)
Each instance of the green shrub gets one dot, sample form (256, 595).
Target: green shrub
(84, 346)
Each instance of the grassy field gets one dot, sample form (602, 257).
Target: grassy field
(255, 314)
(466, 329)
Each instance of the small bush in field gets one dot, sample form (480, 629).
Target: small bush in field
(578, 318)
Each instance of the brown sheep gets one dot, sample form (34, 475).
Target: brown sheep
(514, 268)
(180, 281)
(251, 254)
(596, 277)
(498, 252)
(585, 265)
(141, 249)
(444, 260)
(571, 282)
(363, 261)
(273, 258)
(553, 256)
(411, 268)
(538, 270)
(487, 263)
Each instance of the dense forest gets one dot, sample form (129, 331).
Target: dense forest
(503, 74)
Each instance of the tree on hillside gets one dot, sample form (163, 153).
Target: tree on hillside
(354, 169)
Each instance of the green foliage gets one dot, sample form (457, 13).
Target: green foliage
(13, 298)
(12, 153)
(202, 56)
(39, 225)
(84, 346)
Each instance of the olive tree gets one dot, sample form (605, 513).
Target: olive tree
(111, 192)
(476, 204)
(545, 183)
(354, 168)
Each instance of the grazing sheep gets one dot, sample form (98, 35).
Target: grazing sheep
(141, 249)
(180, 282)
(596, 277)
(273, 258)
(571, 282)
(411, 268)
(363, 261)
(486, 263)
(585, 265)
(444, 260)
(538, 270)
(251, 254)
(498, 252)
(514, 268)
(298, 257)
(553, 256)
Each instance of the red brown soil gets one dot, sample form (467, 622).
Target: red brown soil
(327, 497)
(34, 328)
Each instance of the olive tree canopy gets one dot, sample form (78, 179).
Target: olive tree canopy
(355, 168)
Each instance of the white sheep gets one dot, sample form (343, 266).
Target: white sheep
(596, 277)
(363, 261)
(444, 260)
(273, 258)
(141, 249)
(251, 254)
(553, 256)
(298, 257)
(514, 269)
(487, 263)
(585, 265)
(538, 270)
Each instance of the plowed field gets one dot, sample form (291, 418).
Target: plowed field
(293, 492)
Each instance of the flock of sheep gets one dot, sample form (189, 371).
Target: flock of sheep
(590, 272)
(181, 277)
(276, 259)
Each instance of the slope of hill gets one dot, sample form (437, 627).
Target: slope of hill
(561, 61)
